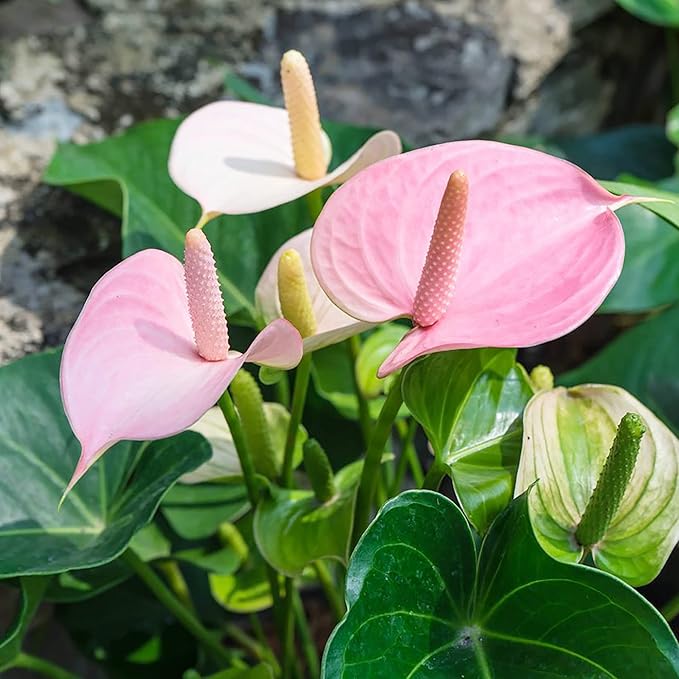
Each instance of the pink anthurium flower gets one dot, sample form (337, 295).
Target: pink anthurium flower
(332, 324)
(482, 244)
(237, 157)
(149, 353)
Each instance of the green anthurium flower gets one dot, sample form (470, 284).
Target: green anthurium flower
(568, 435)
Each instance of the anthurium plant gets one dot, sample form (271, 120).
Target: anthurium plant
(391, 492)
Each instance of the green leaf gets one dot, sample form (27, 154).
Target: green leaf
(262, 671)
(672, 125)
(659, 12)
(667, 205)
(150, 543)
(156, 214)
(372, 354)
(195, 512)
(469, 403)
(38, 453)
(423, 603)
(79, 585)
(567, 438)
(224, 561)
(650, 275)
(32, 590)
(293, 529)
(247, 590)
(643, 360)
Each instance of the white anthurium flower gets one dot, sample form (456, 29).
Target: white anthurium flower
(238, 157)
(332, 324)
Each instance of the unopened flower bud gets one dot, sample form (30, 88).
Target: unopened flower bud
(542, 378)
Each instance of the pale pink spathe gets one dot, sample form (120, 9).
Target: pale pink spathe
(541, 250)
(130, 369)
(236, 157)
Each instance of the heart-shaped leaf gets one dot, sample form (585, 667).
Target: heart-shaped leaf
(423, 603)
(127, 174)
(37, 456)
(567, 437)
(32, 590)
(470, 403)
(660, 12)
(643, 360)
(293, 529)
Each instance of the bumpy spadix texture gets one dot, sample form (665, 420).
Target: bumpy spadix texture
(206, 305)
(293, 293)
(308, 146)
(332, 324)
(435, 289)
(541, 248)
(130, 367)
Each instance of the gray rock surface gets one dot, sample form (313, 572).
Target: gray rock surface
(432, 69)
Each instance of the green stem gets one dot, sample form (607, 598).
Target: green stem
(308, 646)
(353, 347)
(671, 609)
(408, 458)
(330, 589)
(288, 639)
(434, 476)
(314, 202)
(25, 661)
(373, 458)
(247, 465)
(257, 650)
(183, 615)
(175, 579)
(249, 475)
(282, 389)
(298, 401)
(673, 62)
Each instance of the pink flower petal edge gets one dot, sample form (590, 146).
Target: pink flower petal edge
(541, 249)
(236, 158)
(332, 324)
(130, 369)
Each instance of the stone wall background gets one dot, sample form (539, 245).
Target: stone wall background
(431, 69)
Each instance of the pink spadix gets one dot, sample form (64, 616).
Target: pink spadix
(206, 305)
(437, 282)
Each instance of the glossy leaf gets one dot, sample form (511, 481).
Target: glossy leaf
(31, 593)
(80, 585)
(377, 346)
(223, 561)
(659, 12)
(37, 455)
(567, 438)
(293, 529)
(469, 403)
(196, 512)
(650, 274)
(643, 360)
(423, 603)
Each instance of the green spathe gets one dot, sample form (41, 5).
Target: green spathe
(567, 437)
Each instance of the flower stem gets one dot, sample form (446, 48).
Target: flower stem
(353, 347)
(183, 615)
(671, 609)
(434, 476)
(288, 629)
(330, 590)
(373, 458)
(308, 646)
(408, 458)
(247, 465)
(30, 662)
(257, 650)
(298, 401)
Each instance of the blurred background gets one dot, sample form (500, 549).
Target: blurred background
(80, 70)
